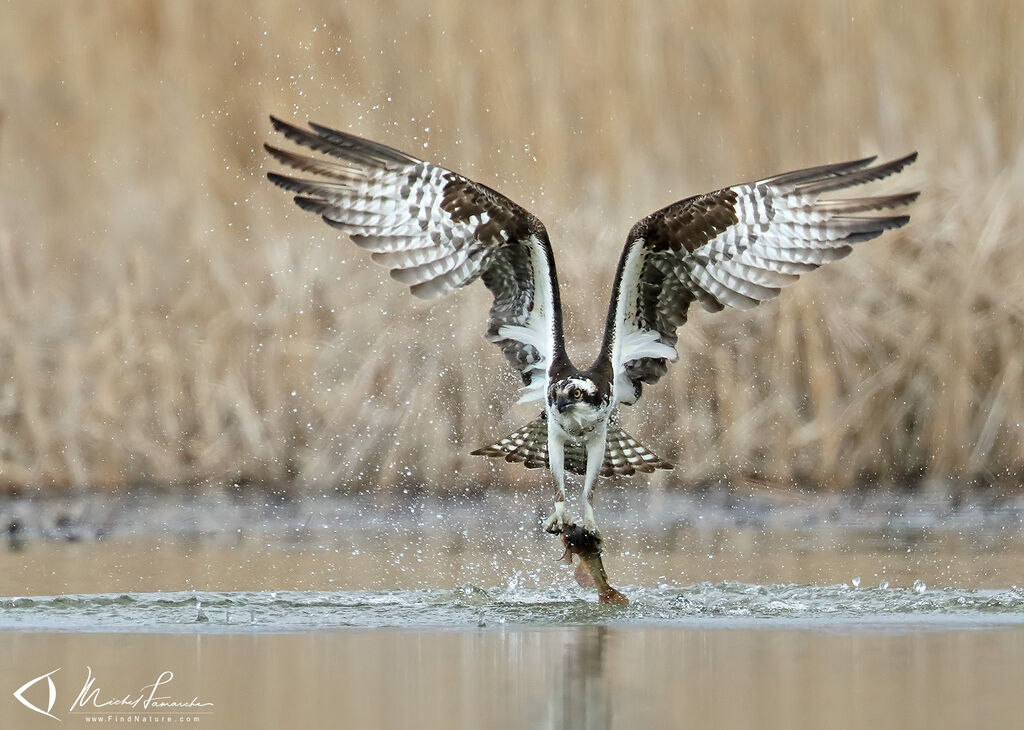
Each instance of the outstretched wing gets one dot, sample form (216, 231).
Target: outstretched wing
(735, 247)
(436, 230)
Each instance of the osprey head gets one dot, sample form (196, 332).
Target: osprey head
(576, 393)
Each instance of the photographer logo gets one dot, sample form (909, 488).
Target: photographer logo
(146, 704)
(19, 694)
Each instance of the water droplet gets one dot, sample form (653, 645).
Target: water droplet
(919, 586)
(883, 585)
(856, 581)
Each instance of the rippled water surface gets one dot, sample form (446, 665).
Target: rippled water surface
(349, 613)
(704, 605)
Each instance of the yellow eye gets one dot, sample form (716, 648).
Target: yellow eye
(577, 393)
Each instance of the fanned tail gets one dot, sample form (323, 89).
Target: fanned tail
(528, 445)
(623, 455)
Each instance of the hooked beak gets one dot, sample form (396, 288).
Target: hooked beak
(563, 403)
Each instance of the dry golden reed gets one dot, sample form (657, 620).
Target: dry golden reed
(167, 317)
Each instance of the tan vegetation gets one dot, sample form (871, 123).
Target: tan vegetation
(167, 317)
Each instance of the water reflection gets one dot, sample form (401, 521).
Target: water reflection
(14, 534)
(580, 696)
(571, 677)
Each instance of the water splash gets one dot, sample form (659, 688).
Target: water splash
(703, 604)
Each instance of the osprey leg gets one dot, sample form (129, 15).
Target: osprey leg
(556, 462)
(595, 458)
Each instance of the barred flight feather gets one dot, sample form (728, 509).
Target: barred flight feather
(735, 247)
(436, 231)
(623, 456)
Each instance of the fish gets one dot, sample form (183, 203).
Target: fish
(586, 546)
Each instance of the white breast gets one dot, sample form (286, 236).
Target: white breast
(579, 421)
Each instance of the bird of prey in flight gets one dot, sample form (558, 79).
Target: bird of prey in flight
(437, 230)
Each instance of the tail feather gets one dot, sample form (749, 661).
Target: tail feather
(623, 455)
(528, 445)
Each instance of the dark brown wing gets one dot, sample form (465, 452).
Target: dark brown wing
(436, 230)
(735, 247)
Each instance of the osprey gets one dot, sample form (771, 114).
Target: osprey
(437, 230)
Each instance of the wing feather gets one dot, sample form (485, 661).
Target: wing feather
(735, 247)
(436, 231)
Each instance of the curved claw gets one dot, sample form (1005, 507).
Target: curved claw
(556, 522)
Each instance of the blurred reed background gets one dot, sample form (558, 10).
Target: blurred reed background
(167, 317)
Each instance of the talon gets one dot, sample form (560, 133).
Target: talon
(556, 522)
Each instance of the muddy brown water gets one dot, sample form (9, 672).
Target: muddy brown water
(569, 677)
(437, 622)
